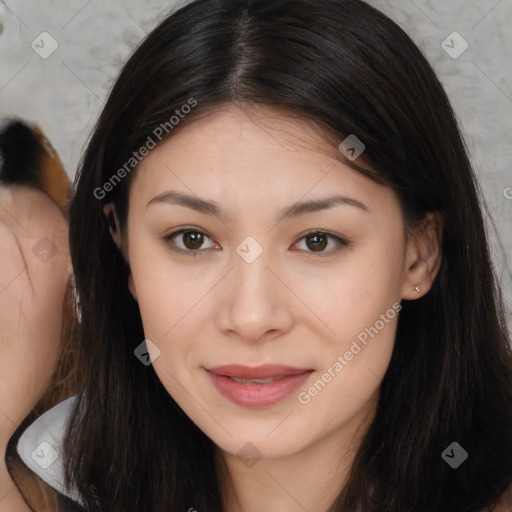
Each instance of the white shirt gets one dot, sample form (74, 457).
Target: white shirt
(40, 447)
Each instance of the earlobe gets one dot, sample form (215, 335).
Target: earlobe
(110, 213)
(423, 257)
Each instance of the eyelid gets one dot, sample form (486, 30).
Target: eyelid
(341, 241)
(192, 229)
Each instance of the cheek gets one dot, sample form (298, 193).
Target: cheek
(359, 306)
(163, 294)
(354, 365)
(169, 304)
(351, 297)
(167, 301)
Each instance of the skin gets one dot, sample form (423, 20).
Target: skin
(31, 296)
(290, 306)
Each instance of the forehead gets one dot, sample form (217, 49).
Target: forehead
(232, 131)
(251, 158)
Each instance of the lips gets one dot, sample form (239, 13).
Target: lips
(257, 386)
(267, 371)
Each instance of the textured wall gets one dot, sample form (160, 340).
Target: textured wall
(65, 90)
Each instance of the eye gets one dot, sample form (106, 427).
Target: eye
(317, 241)
(191, 240)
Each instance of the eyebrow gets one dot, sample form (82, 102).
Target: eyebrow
(294, 210)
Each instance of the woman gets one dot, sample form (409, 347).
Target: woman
(277, 211)
(36, 300)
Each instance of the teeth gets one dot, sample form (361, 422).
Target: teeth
(254, 381)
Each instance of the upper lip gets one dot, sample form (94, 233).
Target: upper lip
(265, 371)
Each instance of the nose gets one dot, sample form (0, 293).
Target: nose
(256, 304)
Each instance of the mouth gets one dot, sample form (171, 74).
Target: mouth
(259, 386)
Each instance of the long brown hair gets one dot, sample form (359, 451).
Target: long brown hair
(348, 68)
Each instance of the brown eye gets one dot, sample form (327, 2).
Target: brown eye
(187, 241)
(317, 242)
(192, 240)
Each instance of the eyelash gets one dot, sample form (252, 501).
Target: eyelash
(340, 241)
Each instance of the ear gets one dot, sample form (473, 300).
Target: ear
(423, 256)
(110, 213)
(131, 287)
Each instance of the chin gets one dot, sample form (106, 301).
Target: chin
(256, 443)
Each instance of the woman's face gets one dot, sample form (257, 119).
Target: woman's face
(250, 282)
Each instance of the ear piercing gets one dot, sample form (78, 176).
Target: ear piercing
(417, 288)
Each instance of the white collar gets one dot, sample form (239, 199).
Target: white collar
(40, 447)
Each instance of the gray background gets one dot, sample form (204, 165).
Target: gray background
(65, 91)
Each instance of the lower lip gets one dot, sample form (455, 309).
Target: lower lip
(257, 395)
